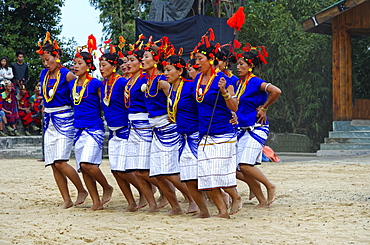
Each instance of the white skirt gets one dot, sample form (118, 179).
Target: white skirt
(57, 145)
(189, 157)
(250, 144)
(217, 162)
(138, 145)
(87, 148)
(164, 151)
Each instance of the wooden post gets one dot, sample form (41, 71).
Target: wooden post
(342, 70)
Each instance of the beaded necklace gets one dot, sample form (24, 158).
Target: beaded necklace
(149, 84)
(50, 95)
(77, 97)
(199, 91)
(172, 106)
(108, 90)
(242, 86)
(127, 97)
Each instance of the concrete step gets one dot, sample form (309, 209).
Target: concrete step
(349, 134)
(347, 140)
(322, 153)
(29, 152)
(355, 125)
(8, 142)
(345, 146)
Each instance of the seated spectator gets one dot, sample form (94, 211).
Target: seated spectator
(2, 118)
(36, 105)
(25, 113)
(10, 107)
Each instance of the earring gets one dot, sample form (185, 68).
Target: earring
(141, 67)
(250, 69)
(211, 62)
(87, 69)
(114, 70)
(155, 65)
(57, 60)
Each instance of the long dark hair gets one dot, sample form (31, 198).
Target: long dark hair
(88, 58)
(6, 63)
(113, 59)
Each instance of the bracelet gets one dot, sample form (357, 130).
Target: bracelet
(267, 85)
(226, 96)
(263, 109)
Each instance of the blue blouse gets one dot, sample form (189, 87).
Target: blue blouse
(116, 113)
(222, 114)
(252, 98)
(62, 95)
(187, 110)
(136, 103)
(87, 114)
(156, 99)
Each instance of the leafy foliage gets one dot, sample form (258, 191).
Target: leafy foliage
(299, 64)
(22, 24)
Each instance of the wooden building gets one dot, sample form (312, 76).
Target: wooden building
(343, 21)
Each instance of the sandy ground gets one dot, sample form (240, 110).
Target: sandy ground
(320, 201)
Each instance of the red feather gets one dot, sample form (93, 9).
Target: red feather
(211, 34)
(237, 20)
(91, 43)
(237, 44)
(108, 41)
(264, 52)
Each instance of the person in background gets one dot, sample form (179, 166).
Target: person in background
(3, 120)
(20, 71)
(25, 113)
(10, 107)
(36, 105)
(192, 68)
(6, 73)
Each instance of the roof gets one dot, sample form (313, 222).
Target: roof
(322, 21)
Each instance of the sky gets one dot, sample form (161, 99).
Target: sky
(79, 20)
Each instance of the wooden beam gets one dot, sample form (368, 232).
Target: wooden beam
(312, 24)
(342, 71)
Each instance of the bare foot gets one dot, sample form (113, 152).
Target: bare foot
(81, 197)
(251, 195)
(193, 208)
(236, 205)
(66, 205)
(96, 207)
(142, 202)
(107, 194)
(177, 211)
(131, 208)
(271, 195)
(227, 199)
(152, 209)
(202, 215)
(162, 201)
(262, 205)
(224, 216)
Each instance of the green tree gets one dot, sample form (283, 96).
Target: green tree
(23, 24)
(117, 17)
(299, 63)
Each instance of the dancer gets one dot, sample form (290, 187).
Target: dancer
(216, 154)
(164, 164)
(182, 110)
(116, 116)
(58, 127)
(89, 136)
(254, 96)
(192, 68)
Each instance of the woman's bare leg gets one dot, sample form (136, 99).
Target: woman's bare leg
(199, 199)
(169, 193)
(124, 185)
(93, 191)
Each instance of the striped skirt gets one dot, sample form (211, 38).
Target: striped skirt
(117, 147)
(138, 145)
(164, 151)
(250, 144)
(217, 162)
(189, 156)
(89, 146)
(58, 136)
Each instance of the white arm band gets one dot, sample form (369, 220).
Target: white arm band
(267, 85)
